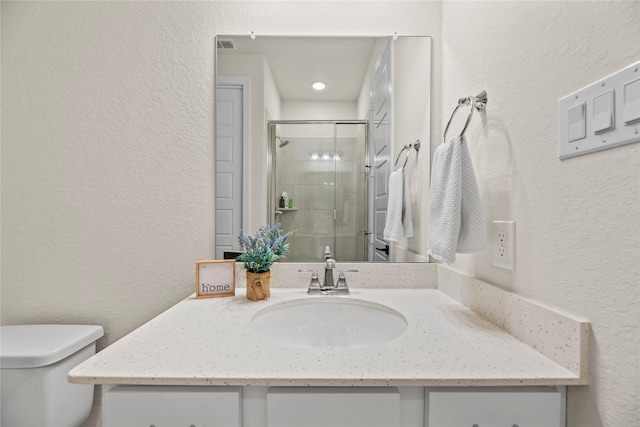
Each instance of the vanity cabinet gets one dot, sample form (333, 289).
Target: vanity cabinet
(174, 406)
(261, 406)
(496, 407)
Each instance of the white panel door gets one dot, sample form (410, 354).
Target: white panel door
(229, 138)
(380, 155)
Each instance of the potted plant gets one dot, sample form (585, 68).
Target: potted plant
(258, 255)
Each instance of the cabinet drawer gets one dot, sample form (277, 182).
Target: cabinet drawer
(532, 407)
(333, 407)
(172, 406)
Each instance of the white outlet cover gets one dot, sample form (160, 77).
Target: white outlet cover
(503, 244)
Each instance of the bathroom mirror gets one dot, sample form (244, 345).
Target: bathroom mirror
(331, 150)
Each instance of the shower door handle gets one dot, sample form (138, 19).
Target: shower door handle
(277, 212)
(385, 249)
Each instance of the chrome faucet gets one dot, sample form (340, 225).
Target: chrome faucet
(328, 286)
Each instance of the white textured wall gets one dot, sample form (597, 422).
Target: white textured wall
(317, 110)
(577, 221)
(106, 166)
(107, 145)
(272, 96)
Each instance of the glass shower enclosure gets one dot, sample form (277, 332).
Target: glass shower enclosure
(321, 166)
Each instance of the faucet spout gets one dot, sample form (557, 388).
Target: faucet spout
(329, 265)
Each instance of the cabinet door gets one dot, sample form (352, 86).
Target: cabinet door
(333, 407)
(495, 408)
(172, 406)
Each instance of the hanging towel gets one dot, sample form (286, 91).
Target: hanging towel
(393, 230)
(455, 211)
(407, 216)
(399, 221)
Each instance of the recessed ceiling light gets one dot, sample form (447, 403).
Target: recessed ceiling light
(318, 85)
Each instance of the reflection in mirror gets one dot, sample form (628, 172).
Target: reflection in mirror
(318, 187)
(330, 150)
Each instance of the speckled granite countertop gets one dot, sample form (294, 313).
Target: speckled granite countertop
(209, 342)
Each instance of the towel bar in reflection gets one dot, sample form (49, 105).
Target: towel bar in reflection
(407, 148)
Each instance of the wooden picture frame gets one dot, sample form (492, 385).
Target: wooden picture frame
(215, 278)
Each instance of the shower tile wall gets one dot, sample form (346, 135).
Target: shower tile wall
(317, 186)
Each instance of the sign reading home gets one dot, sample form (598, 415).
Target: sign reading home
(215, 278)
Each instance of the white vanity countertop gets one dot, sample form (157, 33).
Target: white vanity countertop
(209, 342)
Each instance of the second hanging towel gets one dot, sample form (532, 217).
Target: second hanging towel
(399, 222)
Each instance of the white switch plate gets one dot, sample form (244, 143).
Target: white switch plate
(503, 244)
(611, 116)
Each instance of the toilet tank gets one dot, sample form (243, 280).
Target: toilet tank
(35, 361)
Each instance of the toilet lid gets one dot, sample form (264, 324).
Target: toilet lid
(32, 346)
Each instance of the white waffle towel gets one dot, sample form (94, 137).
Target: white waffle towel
(399, 222)
(407, 215)
(455, 211)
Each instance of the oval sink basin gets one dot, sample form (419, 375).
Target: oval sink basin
(328, 323)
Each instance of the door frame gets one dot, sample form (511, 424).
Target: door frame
(243, 83)
(371, 250)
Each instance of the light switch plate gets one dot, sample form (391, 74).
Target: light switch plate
(503, 244)
(611, 110)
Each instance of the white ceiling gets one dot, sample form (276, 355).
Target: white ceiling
(296, 62)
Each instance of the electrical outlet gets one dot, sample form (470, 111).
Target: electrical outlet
(502, 237)
(503, 244)
(502, 251)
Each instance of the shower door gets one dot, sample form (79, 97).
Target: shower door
(321, 167)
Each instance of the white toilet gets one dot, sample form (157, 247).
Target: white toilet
(34, 362)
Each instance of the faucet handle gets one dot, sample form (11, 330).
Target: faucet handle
(341, 284)
(314, 285)
(314, 274)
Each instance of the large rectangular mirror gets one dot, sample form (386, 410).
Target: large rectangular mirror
(330, 150)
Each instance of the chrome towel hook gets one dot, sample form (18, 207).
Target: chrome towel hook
(478, 102)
